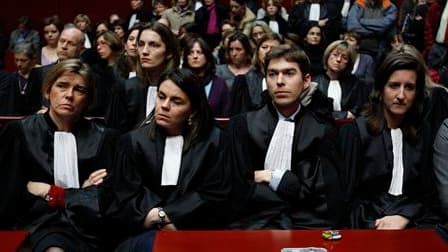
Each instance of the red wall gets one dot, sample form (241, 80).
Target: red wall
(11, 10)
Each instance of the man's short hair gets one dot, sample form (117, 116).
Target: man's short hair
(291, 54)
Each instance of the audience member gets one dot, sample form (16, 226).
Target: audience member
(241, 15)
(24, 34)
(338, 83)
(52, 30)
(198, 57)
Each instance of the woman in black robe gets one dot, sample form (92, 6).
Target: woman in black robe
(170, 174)
(133, 99)
(52, 164)
(387, 151)
(338, 83)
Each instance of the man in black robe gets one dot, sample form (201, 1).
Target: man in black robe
(293, 185)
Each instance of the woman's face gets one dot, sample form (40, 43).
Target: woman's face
(82, 25)
(196, 58)
(131, 44)
(151, 49)
(257, 34)
(51, 34)
(399, 93)
(237, 53)
(103, 48)
(338, 60)
(314, 36)
(119, 31)
(68, 96)
(101, 28)
(265, 47)
(172, 108)
(271, 9)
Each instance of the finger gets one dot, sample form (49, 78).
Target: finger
(100, 171)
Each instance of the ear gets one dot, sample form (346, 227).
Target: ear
(306, 81)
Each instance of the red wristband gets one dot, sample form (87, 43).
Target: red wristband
(55, 196)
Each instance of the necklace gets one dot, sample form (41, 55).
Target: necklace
(23, 84)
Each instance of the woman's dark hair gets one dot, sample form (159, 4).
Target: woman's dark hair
(210, 66)
(54, 20)
(172, 54)
(244, 40)
(309, 27)
(201, 115)
(125, 62)
(394, 61)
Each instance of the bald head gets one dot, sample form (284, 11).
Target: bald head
(71, 43)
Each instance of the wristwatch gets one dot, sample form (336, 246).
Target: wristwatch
(162, 215)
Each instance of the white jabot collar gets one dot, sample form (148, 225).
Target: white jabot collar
(65, 160)
(172, 159)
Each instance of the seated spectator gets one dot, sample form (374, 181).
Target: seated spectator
(241, 15)
(198, 57)
(52, 164)
(314, 44)
(284, 154)
(25, 93)
(273, 17)
(170, 174)
(338, 83)
(257, 31)
(208, 20)
(52, 30)
(387, 151)
(24, 34)
(181, 13)
(82, 21)
(239, 56)
(363, 67)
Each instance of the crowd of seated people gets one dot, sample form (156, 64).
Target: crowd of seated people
(336, 128)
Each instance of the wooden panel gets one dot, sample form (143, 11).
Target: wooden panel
(274, 240)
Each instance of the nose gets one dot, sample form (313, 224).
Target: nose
(145, 50)
(165, 104)
(280, 79)
(400, 94)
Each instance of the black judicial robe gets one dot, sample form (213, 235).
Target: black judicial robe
(26, 154)
(352, 92)
(309, 196)
(369, 164)
(199, 199)
(127, 107)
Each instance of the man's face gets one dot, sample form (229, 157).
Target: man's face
(23, 63)
(237, 10)
(285, 84)
(69, 44)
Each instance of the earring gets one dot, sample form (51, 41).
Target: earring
(190, 120)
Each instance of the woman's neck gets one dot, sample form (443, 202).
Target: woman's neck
(393, 121)
(333, 75)
(239, 68)
(62, 124)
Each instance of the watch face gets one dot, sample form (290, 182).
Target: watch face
(162, 214)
